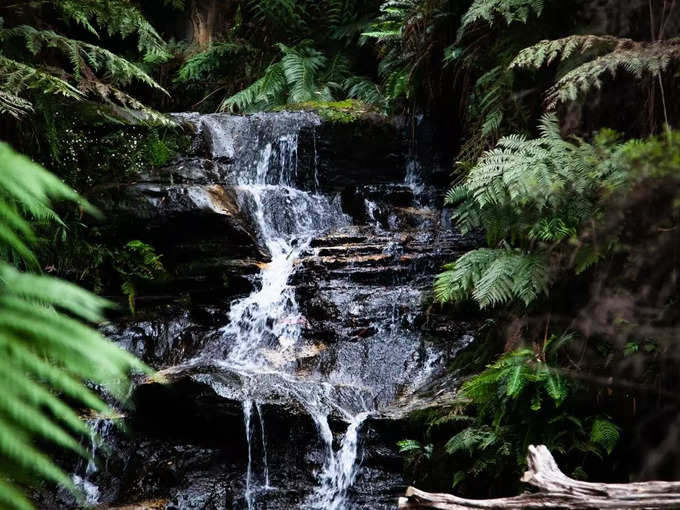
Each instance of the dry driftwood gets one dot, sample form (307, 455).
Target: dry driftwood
(557, 491)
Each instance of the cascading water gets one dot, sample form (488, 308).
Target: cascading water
(291, 339)
(99, 429)
(264, 327)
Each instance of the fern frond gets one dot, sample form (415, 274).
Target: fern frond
(16, 78)
(203, 64)
(285, 13)
(365, 90)
(118, 70)
(46, 349)
(509, 10)
(471, 439)
(605, 434)
(301, 66)
(268, 91)
(494, 276)
(116, 17)
(14, 105)
(607, 54)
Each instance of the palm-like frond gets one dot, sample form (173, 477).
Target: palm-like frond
(94, 70)
(116, 17)
(302, 67)
(268, 91)
(607, 54)
(201, 65)
(524, 190)
(118, 70)
(47, 350)
(14, 105)
(493, 277)
(508, 10)
(16, 78)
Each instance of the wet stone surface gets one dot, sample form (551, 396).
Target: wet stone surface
(295, 332)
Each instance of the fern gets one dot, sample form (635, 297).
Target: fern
(116, 17)
(365, 90)
(521, 192)
(268, 91)
(46, 348)
(294, 79)
(605, 434)
(509, 10)
(204, 64)
(288, 14)
(14, 105)
(118, 70)
(301, 66)
(16, 78)
(470, 440)
(494, 277)
(33, 69)
(605, 55)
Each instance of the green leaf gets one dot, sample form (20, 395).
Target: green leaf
(605, 434)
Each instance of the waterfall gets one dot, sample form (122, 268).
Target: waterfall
(261, 345)
(265, 326)
(341, 466)
(247, 413)
(263, 436)
(99, 429)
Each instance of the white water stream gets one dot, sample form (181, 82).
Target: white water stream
(264, 328)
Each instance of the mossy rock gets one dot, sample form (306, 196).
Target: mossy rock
(340, 112)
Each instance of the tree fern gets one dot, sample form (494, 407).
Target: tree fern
(302, 67)
(16, 78)
(288, 14)
(365, 90)
(268, 91)
(47, 349)
(202, 65)
(605, 55)
(471, 439)
(118, 70)
(14, 105)
(296, 78)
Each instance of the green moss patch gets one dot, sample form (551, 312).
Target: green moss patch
(341, 112)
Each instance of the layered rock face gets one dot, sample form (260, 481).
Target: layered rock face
(295, 330)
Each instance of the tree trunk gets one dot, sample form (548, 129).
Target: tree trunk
(203, 17)
(556, 491)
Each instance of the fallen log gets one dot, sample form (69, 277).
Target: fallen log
(557, 490)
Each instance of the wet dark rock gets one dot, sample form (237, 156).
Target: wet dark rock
(362, 291)
(343, 157)
(171, 336)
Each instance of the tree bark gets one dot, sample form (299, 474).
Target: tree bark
(203, 17)
(556, 491)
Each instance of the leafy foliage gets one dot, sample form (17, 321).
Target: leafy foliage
(137, 261)
(48, 351)
(529, 195)
(520, 400)
(603, 55)
(303, 74)
(493, 277)
(116, 17)
(509, 10)
(31, 68)
(207, 63)
(605, 434)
